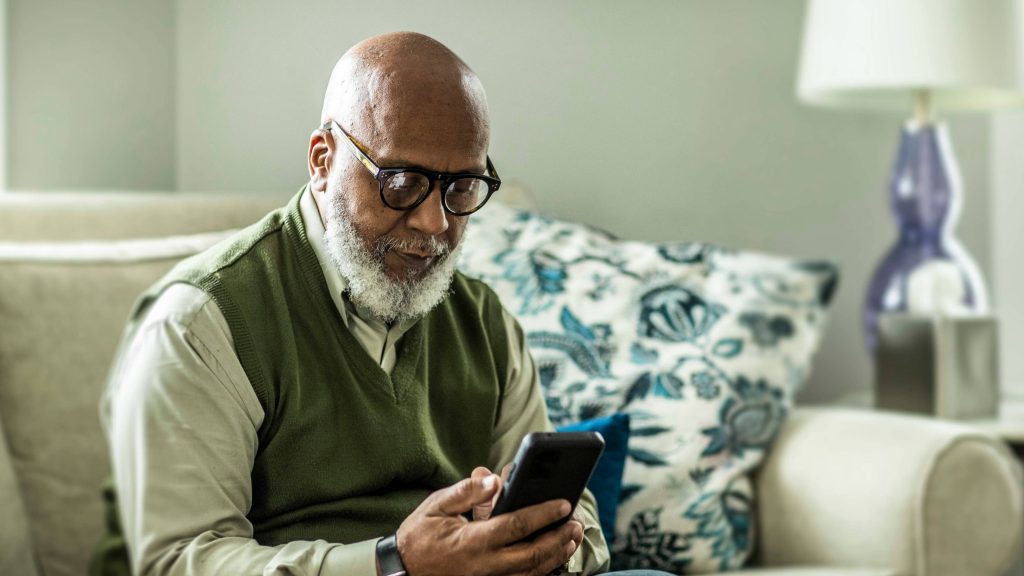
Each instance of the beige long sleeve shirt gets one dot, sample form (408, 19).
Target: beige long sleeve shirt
(182, 418)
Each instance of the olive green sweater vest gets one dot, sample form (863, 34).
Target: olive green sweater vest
(347, 451)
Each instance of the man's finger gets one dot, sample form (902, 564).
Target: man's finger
(506, 471)
(577, 537)
(577, 516)
(542, 556)
(514, 526)
(483, 511)
(462, 496)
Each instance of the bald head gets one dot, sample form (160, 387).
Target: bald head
(407, 89)
(410, 103)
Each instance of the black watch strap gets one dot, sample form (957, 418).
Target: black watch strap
(388, 558)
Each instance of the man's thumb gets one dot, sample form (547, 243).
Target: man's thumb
(461, 497)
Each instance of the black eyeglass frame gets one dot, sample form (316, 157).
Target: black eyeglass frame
(382, 175)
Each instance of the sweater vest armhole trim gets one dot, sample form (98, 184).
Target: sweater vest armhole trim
(244, 348)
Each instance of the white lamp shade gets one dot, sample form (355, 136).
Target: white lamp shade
(873, 54)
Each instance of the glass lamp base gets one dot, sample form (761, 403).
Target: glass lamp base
(927, 271)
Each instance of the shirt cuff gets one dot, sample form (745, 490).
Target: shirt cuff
(359, 559)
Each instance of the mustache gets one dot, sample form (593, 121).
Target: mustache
(431, 245)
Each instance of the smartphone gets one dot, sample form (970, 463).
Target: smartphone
(550, 466)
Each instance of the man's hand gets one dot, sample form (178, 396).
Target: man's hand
(436, 539)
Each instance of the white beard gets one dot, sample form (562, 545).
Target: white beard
(370, 287)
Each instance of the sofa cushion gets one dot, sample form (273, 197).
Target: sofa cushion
(702, 346)
(62, 309)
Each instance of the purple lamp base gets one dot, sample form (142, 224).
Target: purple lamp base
(927, 270)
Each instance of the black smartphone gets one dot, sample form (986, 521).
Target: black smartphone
(550, 466)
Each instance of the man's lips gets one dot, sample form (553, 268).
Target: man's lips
(415, 260)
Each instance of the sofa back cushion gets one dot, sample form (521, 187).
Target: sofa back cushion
(91, 216)
(63, 306)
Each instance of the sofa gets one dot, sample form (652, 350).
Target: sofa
(841, 492)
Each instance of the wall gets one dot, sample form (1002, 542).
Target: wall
(3, 95)
(661, 120)
(90, 94)
(665, 120)
(1008, 238)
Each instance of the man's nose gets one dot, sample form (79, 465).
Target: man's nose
(430, 217)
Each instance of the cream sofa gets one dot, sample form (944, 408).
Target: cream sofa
(843, 492)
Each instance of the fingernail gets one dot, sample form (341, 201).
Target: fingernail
(564, 509)
(571, 547)
(490, 481)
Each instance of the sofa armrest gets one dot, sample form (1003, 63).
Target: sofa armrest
(865, 488)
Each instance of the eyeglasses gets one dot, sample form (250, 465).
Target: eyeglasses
(406, 188)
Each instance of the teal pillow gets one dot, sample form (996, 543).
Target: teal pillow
(606, 483)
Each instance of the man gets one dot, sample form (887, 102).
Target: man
(309, 396)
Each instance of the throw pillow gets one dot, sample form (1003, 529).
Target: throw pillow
(606, 482)
(702, 346)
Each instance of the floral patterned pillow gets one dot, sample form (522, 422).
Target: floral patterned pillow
(702, 346)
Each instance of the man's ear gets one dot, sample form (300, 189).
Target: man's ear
(320, 158)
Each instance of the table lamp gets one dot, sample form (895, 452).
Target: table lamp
(917, 56)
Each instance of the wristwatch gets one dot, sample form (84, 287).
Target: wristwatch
(388, 559)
